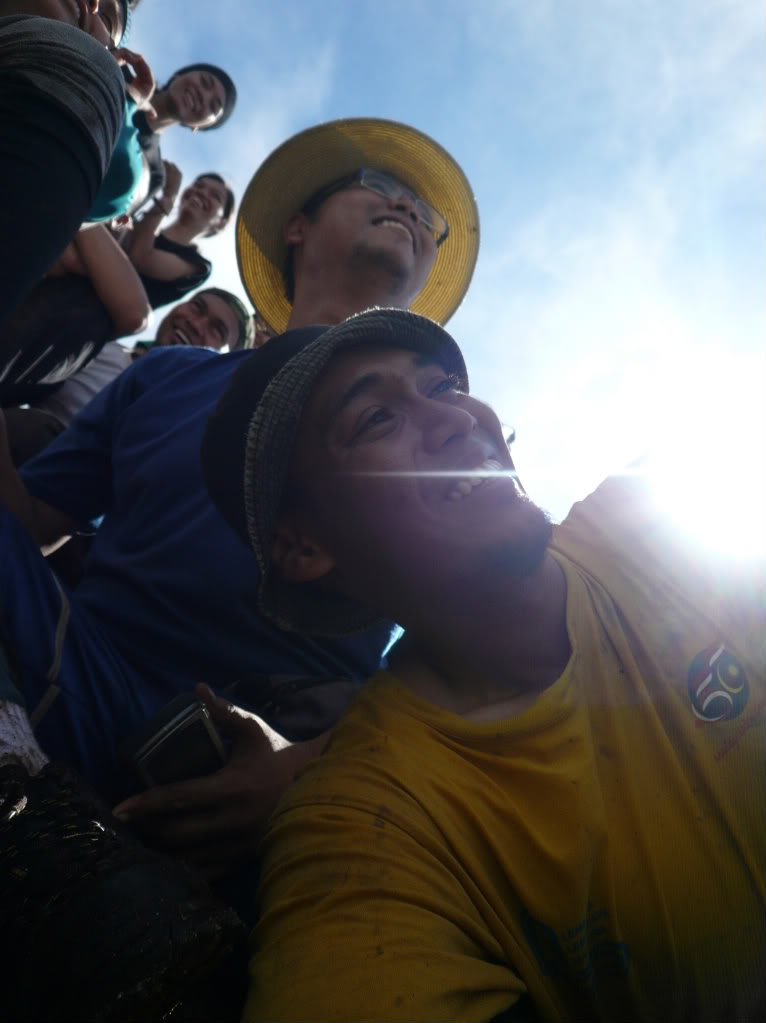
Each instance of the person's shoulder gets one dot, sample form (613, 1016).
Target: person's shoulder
(622, 512)
(162, 362)
(9, 20)
(181, 354)
(172, 362)
(377, 739)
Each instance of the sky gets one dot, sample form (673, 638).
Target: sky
(616, 151)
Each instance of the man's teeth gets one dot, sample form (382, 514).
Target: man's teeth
(394, 223)
(182, 338)
(481, 474)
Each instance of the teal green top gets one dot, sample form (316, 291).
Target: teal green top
(123, 175)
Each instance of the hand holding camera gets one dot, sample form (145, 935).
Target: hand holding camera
(215, 821)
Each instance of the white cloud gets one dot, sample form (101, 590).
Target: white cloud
(592, 313)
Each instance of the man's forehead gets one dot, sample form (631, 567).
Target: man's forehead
(398, 178)
(198, 72)
(347, 364)
(366, 365)
(219, 307)
(349, 178)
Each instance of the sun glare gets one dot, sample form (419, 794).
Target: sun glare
(708, 466)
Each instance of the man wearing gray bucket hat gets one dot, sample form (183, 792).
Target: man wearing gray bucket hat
(550, 806)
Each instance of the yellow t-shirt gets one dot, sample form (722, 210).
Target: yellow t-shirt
(603, 851)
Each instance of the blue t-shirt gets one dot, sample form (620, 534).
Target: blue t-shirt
(167, 580)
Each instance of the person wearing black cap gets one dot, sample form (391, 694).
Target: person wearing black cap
(550, 806)
(201, 97)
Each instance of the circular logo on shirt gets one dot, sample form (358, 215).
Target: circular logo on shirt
(718, 685)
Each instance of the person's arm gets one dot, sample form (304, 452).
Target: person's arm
(45, 524)
(114, 280)
(69, 262)
(74, 473)
(162, 266)
(371, 911)
(217, 821)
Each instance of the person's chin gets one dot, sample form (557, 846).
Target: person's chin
(516, 543)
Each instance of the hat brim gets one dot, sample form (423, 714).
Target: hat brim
(322, 154)
(269, 444)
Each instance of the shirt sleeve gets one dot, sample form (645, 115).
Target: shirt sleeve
(74, 473)
(364, 918)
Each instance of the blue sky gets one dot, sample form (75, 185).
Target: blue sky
(616, 150)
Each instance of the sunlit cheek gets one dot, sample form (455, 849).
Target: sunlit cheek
(710, 474)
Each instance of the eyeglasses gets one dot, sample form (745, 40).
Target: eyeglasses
(390, 188)
(387, 186)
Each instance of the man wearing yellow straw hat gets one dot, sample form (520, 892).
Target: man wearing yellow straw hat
(356, 213)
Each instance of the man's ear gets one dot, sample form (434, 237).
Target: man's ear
(295, 229)
(296, 557)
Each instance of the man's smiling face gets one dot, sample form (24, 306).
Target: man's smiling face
(356, 226)
(204, 321)
(405, 482)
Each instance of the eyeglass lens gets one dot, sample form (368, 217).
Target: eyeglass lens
(389, 187)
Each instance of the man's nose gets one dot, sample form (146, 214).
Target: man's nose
(445, 423)
(405, 204)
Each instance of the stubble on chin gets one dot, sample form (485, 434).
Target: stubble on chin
(522, 554)
(366, 257)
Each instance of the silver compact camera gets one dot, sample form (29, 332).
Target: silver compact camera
(178, 743)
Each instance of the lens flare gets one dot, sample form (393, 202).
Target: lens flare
(459, 474)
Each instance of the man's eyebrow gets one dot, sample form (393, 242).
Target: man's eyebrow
(426, 359)
(366, 382)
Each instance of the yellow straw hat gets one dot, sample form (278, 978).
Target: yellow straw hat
(320, 155)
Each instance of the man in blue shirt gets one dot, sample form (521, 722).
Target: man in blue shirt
(168, 596)
(350, 212)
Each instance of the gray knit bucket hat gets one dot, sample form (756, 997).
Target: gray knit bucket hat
(249, 442)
